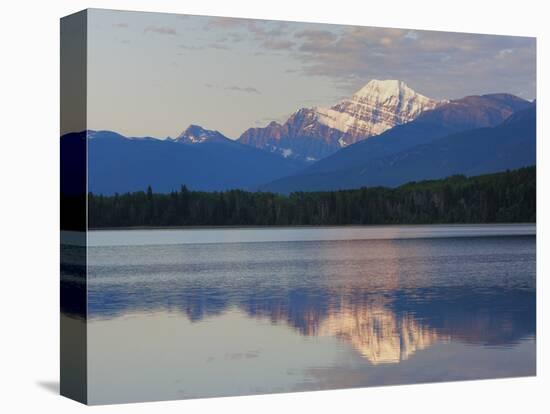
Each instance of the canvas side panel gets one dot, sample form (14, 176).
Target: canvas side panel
(73, 188)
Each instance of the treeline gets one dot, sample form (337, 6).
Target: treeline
(503, 197)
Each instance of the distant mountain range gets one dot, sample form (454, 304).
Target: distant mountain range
(386, 134)
(200, 159)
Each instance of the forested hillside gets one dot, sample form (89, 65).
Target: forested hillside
(502, 197)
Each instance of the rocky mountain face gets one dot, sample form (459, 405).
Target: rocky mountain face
(301, 137)
(314, 133)
(375, 108)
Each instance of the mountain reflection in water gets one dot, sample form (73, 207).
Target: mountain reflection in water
(378, 334)
(171, 321)
(387, 299)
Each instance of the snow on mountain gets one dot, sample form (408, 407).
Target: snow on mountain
(196, 134)
(314, 133)
(375, 108)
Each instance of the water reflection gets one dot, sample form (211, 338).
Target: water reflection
(386, 299)
(379, 334)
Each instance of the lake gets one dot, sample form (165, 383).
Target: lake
(214, 312)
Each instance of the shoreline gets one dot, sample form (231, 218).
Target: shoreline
(215, 235)
(302, 226)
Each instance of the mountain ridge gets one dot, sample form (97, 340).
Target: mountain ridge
(118, 164)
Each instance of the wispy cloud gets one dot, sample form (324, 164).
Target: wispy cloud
(220, 46)
(234, 88)
(248, 89)
(278, 44)
(189, 47)
(214, 23)
(270, 35)
(162, 30)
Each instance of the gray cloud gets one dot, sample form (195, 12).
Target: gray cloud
(234, 88)
(188, 47)
(247, 89)
(215, 23)
(278, 44)
(318, 36)
(163, 30)
(439, 64)
(270, 35)
(220, 46)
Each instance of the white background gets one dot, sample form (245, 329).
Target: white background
(29, 208)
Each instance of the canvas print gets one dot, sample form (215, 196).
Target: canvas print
(253, 206)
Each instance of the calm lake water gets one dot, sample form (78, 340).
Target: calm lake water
(198, 313)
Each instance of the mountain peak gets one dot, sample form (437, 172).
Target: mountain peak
(195, 134)
(375, 108)
(384, 90)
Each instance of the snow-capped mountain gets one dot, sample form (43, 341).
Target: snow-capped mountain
(375, 108)
(196, 134)
(314, 133)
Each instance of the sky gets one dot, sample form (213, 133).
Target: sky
(154, 74)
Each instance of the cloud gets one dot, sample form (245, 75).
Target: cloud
(318, 35)
(214, 23)
(187, 47)
(247, 89)
(234, 88)
(162, 30)
(220, 46)
(440, 64)
(277, 44)
(271, 35)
